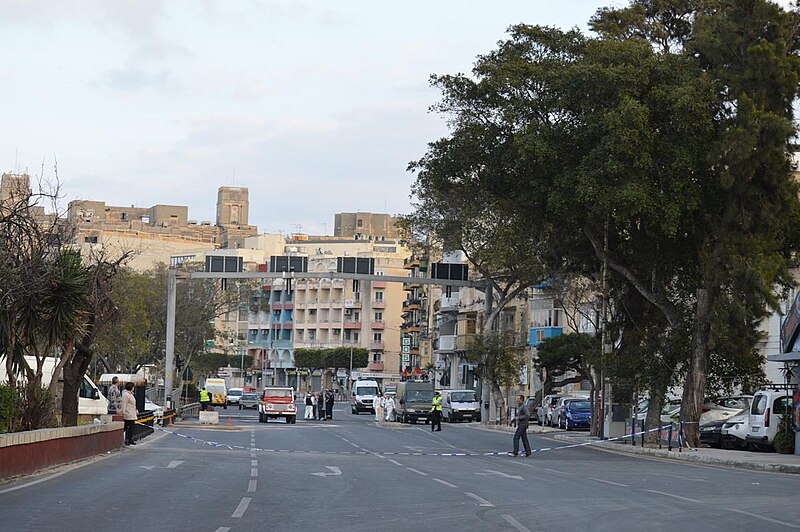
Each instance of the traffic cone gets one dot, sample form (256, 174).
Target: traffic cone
(230, 421)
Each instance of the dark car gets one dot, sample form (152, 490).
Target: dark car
(533, 408)
(249, 400)
(711, 433)
(576, 415)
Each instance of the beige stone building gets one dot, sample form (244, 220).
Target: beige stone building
(365, 225)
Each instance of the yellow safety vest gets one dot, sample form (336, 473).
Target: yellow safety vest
(204, 397)
(437, 404)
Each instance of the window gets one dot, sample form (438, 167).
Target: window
(356, 316)
(123, 216)
(376, 356)
(360, 223)
(379, 316)
(355, 336)
(378, 296)
(377, 337)
(759, 405)
(90, 239)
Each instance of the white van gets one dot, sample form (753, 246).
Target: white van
(766, 411)
(91, 402)
(364, 394)
(458, 405)
(218, 391)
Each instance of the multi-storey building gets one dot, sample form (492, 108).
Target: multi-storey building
(417, 354)
(365, 226)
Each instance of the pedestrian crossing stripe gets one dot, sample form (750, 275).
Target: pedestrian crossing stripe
(389, 453)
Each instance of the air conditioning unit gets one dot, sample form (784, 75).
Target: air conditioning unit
(348, 311)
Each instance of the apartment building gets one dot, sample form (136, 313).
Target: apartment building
(365, 226)
(417, 352)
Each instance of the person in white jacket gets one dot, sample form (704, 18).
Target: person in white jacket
(377, 405)
(129, 412)
(389, 407)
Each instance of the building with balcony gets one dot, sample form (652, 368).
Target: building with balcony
(416, 346)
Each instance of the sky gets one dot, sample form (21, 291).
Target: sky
(316, 106)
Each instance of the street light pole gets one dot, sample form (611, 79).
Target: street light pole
(350, 375)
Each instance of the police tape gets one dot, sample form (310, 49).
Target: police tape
(231, 447)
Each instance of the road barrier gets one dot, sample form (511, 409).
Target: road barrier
(387, 453)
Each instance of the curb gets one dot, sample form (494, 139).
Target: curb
(690, 456)
(532, 429)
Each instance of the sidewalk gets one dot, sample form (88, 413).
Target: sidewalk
(771, 462)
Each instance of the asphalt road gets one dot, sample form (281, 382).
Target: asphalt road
(335, 479)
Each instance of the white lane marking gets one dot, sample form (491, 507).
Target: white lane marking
(516, 524)
(771, 520)
(556, 471)
(253, 463)
(252, 455)
(242, 508)
(675, 496)
(481, 500)
(335, 472)
(395, 462)
(45, 479)
(609, 482)
(254, 472)
(172, 465)
(223, 529)
(500, 474)
(415, 449)
(693, 479)
(354, 445)
(251, 487)
(417, 471)
(440, 481)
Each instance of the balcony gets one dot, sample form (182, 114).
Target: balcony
(412, 285)
(447, 343)
(411, 328)
(449, 304)
(410, 263)
(463, 341)
(411, 304)
(352, 325)
(378, 325)
(352, 303)
(300, 304)
(379, 303)
(376, 346)
(337, 304)
(288, 305)
(375, 366)
(379, 284)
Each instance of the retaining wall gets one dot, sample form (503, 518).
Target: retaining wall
(22, 453)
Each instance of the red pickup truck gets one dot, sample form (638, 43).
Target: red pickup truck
(277, 402)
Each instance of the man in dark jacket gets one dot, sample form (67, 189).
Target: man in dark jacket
(329, 405)
(523, 416)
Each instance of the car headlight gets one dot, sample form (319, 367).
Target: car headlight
(454, 409)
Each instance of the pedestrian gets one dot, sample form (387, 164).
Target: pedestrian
(378, 406)
(321, 403)
(129, 412)
(523, 417)
(205, 399)
(436, 412)
(309, 406)
(114, 397)
(390, 408)
(314, 405)
(329, 405)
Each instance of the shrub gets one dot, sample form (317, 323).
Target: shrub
(36, 409)
(784, 439)
(9, 404)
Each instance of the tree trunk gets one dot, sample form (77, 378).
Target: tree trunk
(595, 411)
(654, 406)
(694, 388)
(73, 375)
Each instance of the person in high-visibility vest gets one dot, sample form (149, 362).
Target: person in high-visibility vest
(436, 413)
(205, 399)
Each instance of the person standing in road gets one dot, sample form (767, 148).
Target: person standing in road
(329, 405)
(114, 397)
(309, 406)
(436, 413)
(205, 399)
(378, 406)
(129, 412)
(321, 405)
(390, 408)
(523, 417)
(314, 405)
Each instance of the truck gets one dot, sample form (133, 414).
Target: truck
(277, 401)
(218, 391)
(91, 402)
(413, 401)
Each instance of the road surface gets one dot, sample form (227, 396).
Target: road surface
(337, 475)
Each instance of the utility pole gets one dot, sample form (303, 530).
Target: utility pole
(605, 415)
(350, 375)
(487, 310)
(169, 367)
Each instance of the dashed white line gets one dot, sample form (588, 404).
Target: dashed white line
(771, 520)
(417, 471)
(253, 463)
(395, 462)
(481, 500)
(254, 472)
(516, 524)
(251, 487)
(223, 529)
(440, 481)
(609, 482)
(556, 471)
(675, 496)
(242, 508)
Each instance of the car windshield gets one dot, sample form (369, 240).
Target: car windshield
(554, 401)
(250, 396)
(419, 396)
(235, 392)
(579, 406)
(278, 393)
(367, 390)
(462, 397)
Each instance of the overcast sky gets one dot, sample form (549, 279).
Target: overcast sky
(317, 107)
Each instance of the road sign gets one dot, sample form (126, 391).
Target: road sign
(406, 340)
(406, 349)
(406, 358)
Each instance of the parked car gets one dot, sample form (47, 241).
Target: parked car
(711, 433)
(575, 414)
(766, 412)
(249, 400)
(546, 408)
(723, 407)
(557, 414)
(533, 408)
(158, 412)
(669, 411)
(233, 396)
(735, 429)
